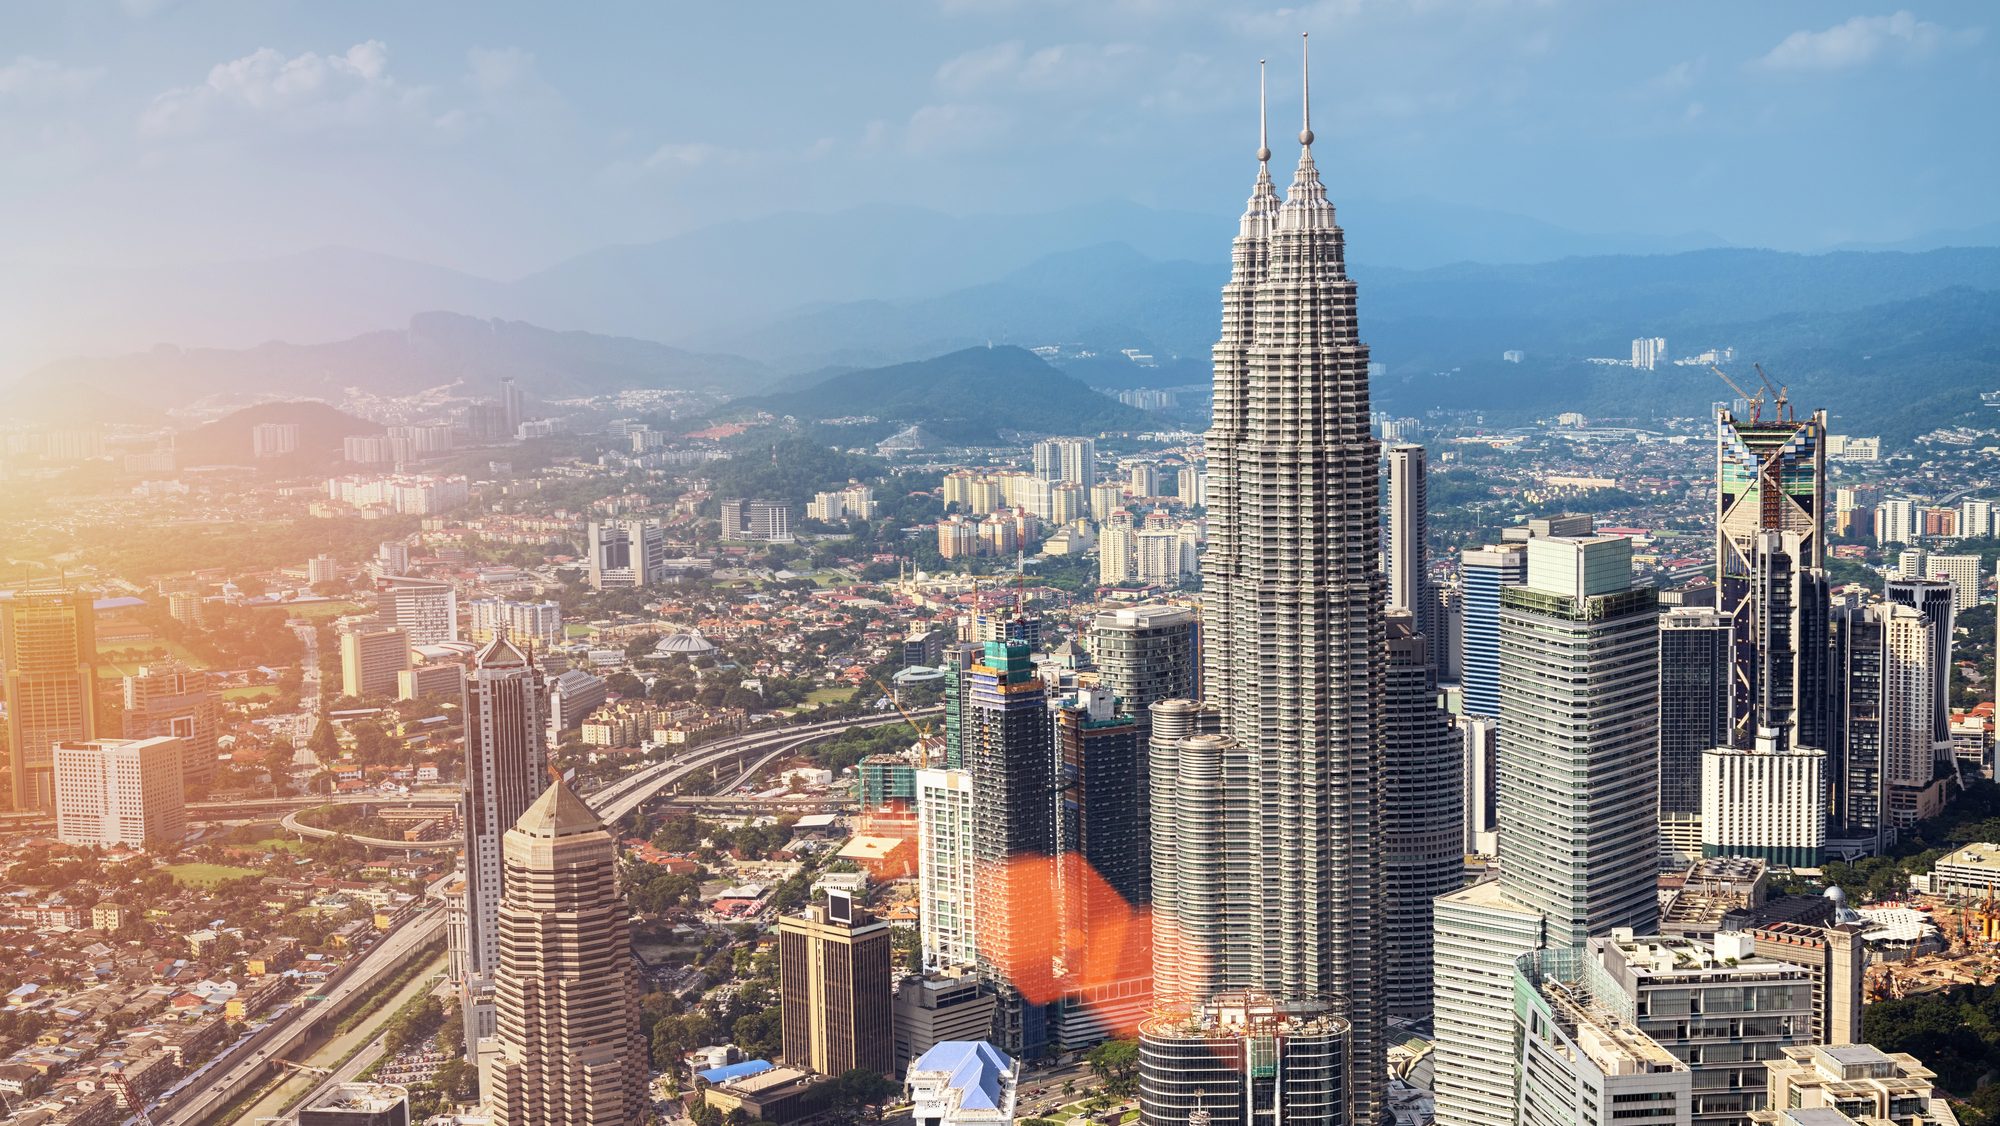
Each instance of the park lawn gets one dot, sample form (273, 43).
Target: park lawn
(819, 697)
(577, 629)
(251, 692)
(197, 874)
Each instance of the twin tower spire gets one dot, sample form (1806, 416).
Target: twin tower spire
(1305, 205)
(1305, 93)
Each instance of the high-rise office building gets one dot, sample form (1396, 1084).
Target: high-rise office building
(1769, 506)
(1423, 811)
(762, 520)
(1104, 878)
(1481, 782)
(1764, 788)
(113, 792)
(426, 611)
(1067, 459)
(1578, 798)
(1006, 741)
(944, 869)
(1908, 701)
(1694, 719)
(1408, 546)
(566, 1049)
(1768, 802)
(511, 405)
(1936, 600)
(505, 757)
(1286, 1017)
(625, 553)
(1145, 654)
(370, 658)
(1857, 789)
(834, 983)
(1579, 724)
(172, 699)
(1483, 574)
(48, 670)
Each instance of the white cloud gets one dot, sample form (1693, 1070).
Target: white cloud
(1678, 77)
(1060, 68)
(492, 70)
(307, 91)
(30, 77)
(687, 155)
(952, 125)
(1863, 40)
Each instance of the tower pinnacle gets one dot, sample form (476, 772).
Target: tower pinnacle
(1305, 87)
(1263, 119)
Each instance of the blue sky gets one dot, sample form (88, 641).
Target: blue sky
(498, 138)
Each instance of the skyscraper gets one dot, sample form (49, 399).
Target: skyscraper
(944, 868)
(1770, 484)
(1423, 807)
(1289, 1008)
(48, 657)
(1936, 600)
(1104, 877)
(1578, 795)
(1694, 719)
(505, 755)
(834, 985)
(1483, 573)
(1145, 654)
(510, 406)
(1006, 741)
(566, 1049)
(1408, 549)
(1856, 784)
(1911, 682)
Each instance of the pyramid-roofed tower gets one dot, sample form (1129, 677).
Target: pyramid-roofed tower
(566, 1050)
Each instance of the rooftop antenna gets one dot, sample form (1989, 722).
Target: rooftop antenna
(1305, 87)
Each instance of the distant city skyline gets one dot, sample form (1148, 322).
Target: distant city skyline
(157, 131)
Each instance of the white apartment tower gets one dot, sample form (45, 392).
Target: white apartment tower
(944, 868)
(112, 792)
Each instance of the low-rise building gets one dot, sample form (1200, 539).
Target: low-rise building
(959, 1082)
(1858, 1080)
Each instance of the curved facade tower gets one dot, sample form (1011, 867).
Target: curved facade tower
(1294, 659)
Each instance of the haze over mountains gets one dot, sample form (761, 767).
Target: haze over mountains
(785, 302)
(733, 274)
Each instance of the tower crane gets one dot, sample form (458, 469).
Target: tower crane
(1756, 401)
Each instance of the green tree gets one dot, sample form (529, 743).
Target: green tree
(1116, 1062)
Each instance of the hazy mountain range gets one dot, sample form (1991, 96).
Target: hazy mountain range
(731, 276)
(787, 303)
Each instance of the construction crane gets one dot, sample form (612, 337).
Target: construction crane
(1756, 401)
(922, 729)
(1781, 404)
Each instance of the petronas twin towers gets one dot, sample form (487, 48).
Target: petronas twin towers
(1269, 893)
